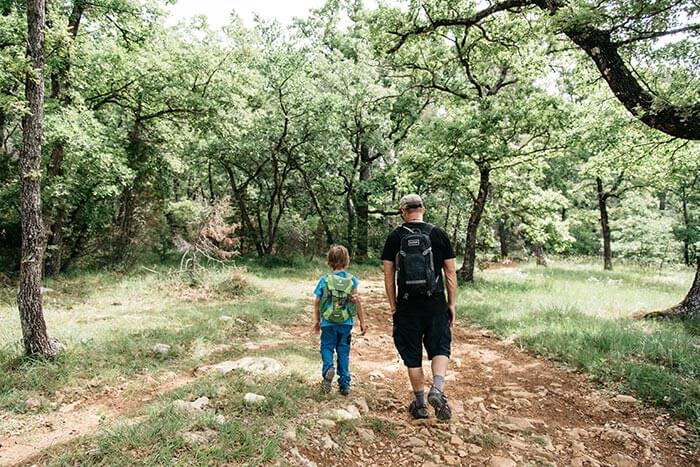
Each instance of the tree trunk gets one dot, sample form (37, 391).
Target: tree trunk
(350, 209)
(317, 206)
(662, 200)
(502, 238)
(34, 333)
(363, 202)
(689, 308)
(539, 255)
(466, 272)
(604, 224)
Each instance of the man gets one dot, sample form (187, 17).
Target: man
(421, 314)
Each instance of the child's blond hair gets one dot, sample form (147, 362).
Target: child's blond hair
(338, 257)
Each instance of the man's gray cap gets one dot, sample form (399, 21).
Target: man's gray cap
(410, 201)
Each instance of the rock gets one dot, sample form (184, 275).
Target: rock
(353, 411)
(516, 424)
(457, 407)
(497, 461)
(676, 432)
(45, 290)
(33, 403)
(183, 405)
(429, 464)
(622, 460)
(362, 404)
(328, 443)
(251, 398)
(290, 434)
(474, 449)
(456, 440)
(452, 460)
(414, 442)
(220, 419)
(161, 349)
(200, 437)
(325, 423)
(250, 364)
(342, 414)
(366, 435)
(376, 374)
(625, 399)
(200, 403)
(225, 318)
(421, 422)
(302, 460)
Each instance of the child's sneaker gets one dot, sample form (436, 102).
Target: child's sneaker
(327, 380)
(418, 411)
(439, 402)
(345, 391)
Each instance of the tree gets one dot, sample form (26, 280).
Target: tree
(35, 335)
(604, 34)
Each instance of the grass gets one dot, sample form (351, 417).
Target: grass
(250, 435)
(577, 314)
(109, 321)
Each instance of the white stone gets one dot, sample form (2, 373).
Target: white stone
(362, 404)
(328, 443)
(220, 419)
(325, 423)
(625, 399)
(497, 461)
(200, 403)
(250, 364)
(225, 318)
(161, 349)
(366, 435)
(354, 411)
(253, 398)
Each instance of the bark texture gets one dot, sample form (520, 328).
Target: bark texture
(34, 333)
(466, 272)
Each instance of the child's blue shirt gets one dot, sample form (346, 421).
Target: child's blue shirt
(319, 292)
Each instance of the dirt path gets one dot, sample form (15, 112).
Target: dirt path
(509, 408)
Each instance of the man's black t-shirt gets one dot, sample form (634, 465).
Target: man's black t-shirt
(442, 250)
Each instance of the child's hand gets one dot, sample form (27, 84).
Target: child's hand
(316, 327)
(363, 328)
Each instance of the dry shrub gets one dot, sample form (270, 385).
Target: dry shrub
(212, 238)
(199, 284)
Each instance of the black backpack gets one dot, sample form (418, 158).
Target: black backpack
(414, 263)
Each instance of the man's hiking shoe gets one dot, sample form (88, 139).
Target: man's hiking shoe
(439, 402)
(327, 381)
(344, 391)
(418, 411)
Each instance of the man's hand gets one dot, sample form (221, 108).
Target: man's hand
(453, 315)
(317, 327)
(363, 328)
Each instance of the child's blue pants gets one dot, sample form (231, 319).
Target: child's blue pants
(336, 338)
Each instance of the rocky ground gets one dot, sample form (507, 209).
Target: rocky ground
(510, 409)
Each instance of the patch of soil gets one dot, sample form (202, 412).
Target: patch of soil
(507, 406)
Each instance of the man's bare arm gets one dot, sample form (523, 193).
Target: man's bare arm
(450, 268)
(390, 283)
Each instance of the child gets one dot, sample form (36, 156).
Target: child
(334, 307)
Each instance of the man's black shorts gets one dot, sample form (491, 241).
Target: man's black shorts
(411, 332)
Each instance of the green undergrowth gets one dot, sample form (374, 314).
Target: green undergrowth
(579, 315)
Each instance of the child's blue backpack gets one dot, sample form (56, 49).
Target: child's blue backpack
(337, 304)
